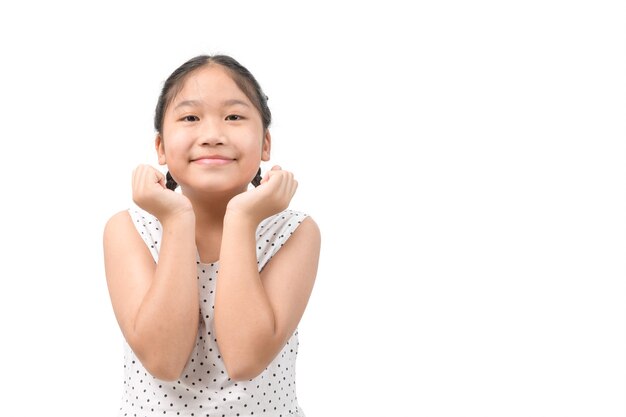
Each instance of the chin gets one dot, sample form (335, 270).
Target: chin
(215, 188)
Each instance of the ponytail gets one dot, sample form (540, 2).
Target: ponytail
(171, 184)
(256, 181)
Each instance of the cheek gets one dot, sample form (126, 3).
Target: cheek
(249, 141)
(173, 143)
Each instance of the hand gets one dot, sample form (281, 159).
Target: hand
(272, 196)
(150, 193)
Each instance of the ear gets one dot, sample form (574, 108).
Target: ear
(160, 148)
(266, 146)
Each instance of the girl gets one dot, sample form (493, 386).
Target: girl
(208, 284)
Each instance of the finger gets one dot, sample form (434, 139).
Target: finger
(287, 179)
(143, 172)
(138, 177)
(294, 187)
(266, 177)
(133, 179)
(138, 173)
(289, 183)
(270, 174)
(276, 170)
(148, 178)
(286, 183)
(159, 177)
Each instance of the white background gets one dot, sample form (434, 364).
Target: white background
(465, 161)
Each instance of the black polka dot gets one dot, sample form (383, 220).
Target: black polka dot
(273, 391)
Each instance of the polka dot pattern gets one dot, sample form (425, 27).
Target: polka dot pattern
(204, 388)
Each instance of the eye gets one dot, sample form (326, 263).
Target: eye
(190, 118)
(233, 117)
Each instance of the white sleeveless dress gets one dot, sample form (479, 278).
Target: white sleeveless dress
(204, 388)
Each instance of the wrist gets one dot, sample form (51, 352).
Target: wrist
(180, 218)
(240, 220)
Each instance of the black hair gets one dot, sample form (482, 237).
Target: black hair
(240, 74)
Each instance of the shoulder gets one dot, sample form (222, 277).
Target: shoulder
(136, 220)
(120, 227)
(124, 248)
(305, 238)
(141, 217)
(117, 222)
(295, 227)
(309, 227)
(132, 215)
(136, 224)
(286, 221)
(306, 229)
(282, 225)
(302, 225)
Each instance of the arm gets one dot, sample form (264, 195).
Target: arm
(256, 313)
(156, 306)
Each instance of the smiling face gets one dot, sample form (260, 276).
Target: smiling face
(213, 138)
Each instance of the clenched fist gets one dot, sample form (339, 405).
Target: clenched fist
(272, 196)
(150, 193)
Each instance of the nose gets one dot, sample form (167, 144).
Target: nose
(211, 133)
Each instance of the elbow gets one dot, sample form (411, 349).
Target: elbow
(163, 370)
(241, 375)
(244, 369)
(162, 359)
(164, 373)
(246, 358)
(161, 366)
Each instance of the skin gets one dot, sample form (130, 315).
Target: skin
(157, 305)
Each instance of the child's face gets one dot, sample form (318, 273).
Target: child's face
(213, 138)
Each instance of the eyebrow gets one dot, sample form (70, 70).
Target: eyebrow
(233, 102)
(225, 103)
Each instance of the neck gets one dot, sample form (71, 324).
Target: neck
(209, 210)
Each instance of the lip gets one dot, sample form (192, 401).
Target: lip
(213, 160)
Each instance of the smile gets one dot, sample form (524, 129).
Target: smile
(213, 160)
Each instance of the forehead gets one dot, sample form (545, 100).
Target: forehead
(210, 83)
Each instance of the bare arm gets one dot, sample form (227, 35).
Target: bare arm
(156, 306)
(255, 314)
